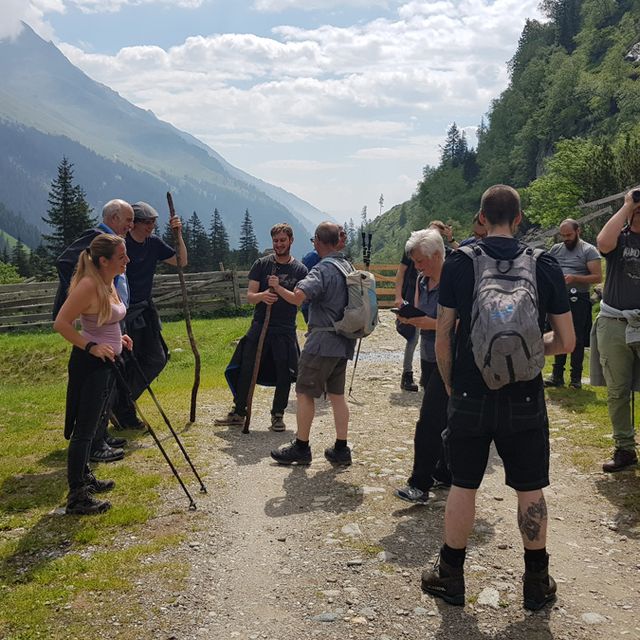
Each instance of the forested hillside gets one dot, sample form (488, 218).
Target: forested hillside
(567, 128)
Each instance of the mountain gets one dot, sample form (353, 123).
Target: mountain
(49, 108)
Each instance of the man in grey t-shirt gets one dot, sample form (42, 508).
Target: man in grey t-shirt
(323, 360)
(580, 264)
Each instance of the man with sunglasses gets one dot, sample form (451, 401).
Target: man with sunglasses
(145, 250)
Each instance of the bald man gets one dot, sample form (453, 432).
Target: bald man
(581, 265)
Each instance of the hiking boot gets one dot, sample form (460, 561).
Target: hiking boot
(538, 589)
(292, 453)
(407, 383)
(97, 486)
(554, 381)
(115, 443)
(622, 459)
(82, 503)
(340, 457)
(277, 422)
(106, 454)
(445, 581)
(575, 383)
(412, 494)
(232, 418)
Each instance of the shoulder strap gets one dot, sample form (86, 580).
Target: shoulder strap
(338, 264)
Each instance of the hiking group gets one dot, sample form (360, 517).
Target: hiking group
(486, 312)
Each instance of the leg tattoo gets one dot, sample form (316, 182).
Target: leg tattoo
(530, 523)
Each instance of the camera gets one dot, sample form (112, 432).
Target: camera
(635, 195)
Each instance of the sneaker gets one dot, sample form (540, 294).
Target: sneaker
(576, 384)
(407, 383)
(82, 503)
(554, 381)
(106, 454)
(97, 486)
(445, 581)
(622, 459)
(340, 457)
(277, 422)
(538, 589)
(292, 454)
(115, 443)
(231, 418)
(441, 484)
(412, 494)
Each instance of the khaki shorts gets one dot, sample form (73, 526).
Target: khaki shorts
(319, 373)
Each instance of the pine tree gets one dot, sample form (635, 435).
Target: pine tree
(20, 260)
(69, 213)
(199, 247)
(248, 248)
(40, 264)
(6, 258)
(219, 240)
(455, 148)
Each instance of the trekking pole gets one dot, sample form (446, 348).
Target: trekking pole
(256, 364)
(203, 489)
(187, 314)
(124, 385)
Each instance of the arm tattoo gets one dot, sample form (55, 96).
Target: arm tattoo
(530, 523)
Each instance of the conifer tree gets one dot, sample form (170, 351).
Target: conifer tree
(69, 213)
(20, 260)
(199, 248)
(40, 264)
(248, 248)
(219, 240)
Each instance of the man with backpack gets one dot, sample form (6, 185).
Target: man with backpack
(491, 368)
(323, 361)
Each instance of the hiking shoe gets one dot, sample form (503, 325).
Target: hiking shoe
(82, 503)
(538, 589)
(277, 422)
(441, 484)
(445, 581)
(97, 486)
(292, 453)
(407, 383)
(554, 381)
(576, 384)
(115, 443)
(412, 494)
(232, 418)
(340, 457)
(106, 454)
(622, 459)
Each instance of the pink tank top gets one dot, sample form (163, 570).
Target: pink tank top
(108, 333)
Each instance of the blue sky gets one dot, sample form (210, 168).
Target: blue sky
(336, 101)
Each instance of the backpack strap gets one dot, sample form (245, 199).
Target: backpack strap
(473, 252)
(339, 264)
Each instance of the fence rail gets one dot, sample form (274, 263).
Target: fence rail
(27, 305)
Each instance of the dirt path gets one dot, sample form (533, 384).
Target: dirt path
(276, 552)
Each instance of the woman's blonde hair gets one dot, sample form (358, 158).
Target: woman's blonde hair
(102, 246)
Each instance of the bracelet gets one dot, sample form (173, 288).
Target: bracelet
(89, 345)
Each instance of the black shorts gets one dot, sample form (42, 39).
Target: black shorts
(518, 425)
(317, 374)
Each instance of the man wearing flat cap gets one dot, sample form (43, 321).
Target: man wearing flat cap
(145, 250)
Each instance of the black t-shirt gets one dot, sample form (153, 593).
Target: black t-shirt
(283, 314)
(143, 258)
(456, 292)
(622, 284)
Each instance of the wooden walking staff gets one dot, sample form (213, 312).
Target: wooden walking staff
(256, 364)
(187, 314)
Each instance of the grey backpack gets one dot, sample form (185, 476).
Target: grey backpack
(505, 335)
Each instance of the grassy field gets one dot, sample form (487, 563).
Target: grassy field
(48, 560)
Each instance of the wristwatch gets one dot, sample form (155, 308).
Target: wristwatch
(87, 347)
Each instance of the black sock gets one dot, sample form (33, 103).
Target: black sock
(303, 444)
(453, 557)
(536, 559)
(340, 444)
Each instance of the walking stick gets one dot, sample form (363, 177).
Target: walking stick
(187, 314)
(256, 364)
(203, 489)
(124, 385)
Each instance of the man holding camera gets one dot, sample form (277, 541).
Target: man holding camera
(580, 264)
(618, 325)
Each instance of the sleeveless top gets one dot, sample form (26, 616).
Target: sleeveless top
(108, 333)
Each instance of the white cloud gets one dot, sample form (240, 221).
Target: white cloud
(112, 6)
(14, 12)
(314, 5)
(303, 165)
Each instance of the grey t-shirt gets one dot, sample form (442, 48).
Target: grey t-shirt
(326, 290)
(428, 302)
(575, 261)
(622, 284)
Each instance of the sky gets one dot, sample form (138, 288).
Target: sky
(337, 101)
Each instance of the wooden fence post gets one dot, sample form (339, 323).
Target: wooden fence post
(236, 288)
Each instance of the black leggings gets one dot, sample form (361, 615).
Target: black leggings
(93, 380)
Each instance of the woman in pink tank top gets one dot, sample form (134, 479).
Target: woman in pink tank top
(92, 298)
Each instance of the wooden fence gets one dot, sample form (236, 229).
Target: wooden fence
(27, 305)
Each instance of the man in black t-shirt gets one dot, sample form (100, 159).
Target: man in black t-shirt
(618, 326)
(513, 417)
(279, 361)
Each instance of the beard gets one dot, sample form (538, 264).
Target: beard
(282, 252)
(571, 244)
